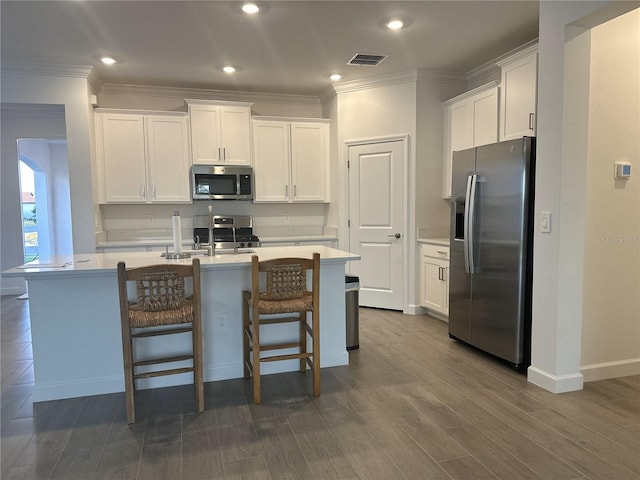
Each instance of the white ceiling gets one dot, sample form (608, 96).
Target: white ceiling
(289, 47)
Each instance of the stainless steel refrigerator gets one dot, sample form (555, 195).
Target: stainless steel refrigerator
(491, 248)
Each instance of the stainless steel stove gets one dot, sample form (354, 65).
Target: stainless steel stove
(229, 231)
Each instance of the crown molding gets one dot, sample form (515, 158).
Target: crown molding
(379, 81)
(206, 94)
(78, 71)
(517, 53)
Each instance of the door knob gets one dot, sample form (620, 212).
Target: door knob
(396, 235)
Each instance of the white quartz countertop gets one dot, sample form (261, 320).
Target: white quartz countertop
(435, 241)
(105, 263)
(188, 243)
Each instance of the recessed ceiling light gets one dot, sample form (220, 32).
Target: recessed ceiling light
(108, 60)
(228, 69)
(395, 24)
(250, 8)
(335, 77)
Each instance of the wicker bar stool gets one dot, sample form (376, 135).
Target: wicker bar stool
(160, 302)
(288, 296)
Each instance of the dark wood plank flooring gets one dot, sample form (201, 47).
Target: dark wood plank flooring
(412, 404)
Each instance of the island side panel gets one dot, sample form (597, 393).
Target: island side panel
(76, 340)
(77, 349)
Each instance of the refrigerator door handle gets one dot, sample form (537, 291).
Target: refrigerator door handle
(469, 235)
(467, 215)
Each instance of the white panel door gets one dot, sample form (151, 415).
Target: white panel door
(376, 222)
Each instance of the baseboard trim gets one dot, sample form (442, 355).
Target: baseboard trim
(555, 383)
(605, 370)
(115, 383)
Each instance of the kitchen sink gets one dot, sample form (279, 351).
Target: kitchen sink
(230, 251)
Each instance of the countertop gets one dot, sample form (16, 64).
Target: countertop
(188, 243)
(435, 241)
(105, 263)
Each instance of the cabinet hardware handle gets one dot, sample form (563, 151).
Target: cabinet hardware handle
(441, 252)
(224, 153)
(219, 155)
(531, 115)
(444, 274)
(295, 191)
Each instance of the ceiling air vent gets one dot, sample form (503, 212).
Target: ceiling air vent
(366, 59)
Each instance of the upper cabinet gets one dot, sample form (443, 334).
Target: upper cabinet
(291, 160)
(470, 120)
(142, 157)
(518, 94)
(220, 132)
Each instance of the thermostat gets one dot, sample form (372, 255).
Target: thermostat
(623, 169)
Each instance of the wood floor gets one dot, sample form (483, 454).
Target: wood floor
(412, 404)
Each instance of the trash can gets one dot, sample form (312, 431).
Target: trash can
(352, 303)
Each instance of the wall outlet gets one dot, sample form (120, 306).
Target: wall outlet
(221, 320)
(151, 219)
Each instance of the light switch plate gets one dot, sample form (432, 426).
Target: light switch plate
(545, 222)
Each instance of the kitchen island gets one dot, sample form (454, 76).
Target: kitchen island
(75, 319)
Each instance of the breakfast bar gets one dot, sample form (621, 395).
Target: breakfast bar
(75, 323)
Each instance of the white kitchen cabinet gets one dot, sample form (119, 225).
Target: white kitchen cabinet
(291, 160)
(470, 120)
(220, 132)
(518, 94)
(434, 278)
(142, 157)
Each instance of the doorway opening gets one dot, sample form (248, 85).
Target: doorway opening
(45, 199)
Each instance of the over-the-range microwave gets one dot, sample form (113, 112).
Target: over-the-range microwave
(220, 182)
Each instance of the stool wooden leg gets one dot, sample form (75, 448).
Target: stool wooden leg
(256, 357)
(303, 340)
(316, 352)
(245, 338)
(129, 383)
(196, 333)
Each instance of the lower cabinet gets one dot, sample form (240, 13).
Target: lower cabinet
(434, 278)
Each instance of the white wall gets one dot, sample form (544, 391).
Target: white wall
(561, 190)
(611, 307)
(19, 121)
(73, 93)
(368, 110)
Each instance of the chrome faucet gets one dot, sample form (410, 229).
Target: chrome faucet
(235, 244)
(211, 249)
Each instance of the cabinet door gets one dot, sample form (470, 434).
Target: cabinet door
(485, 117)
(309, 162)
(205, 134)
(235, 135)
(434, 284)
(121, 153)
(459, 136)
(518, 98)
(168, 158)
(271, 161)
